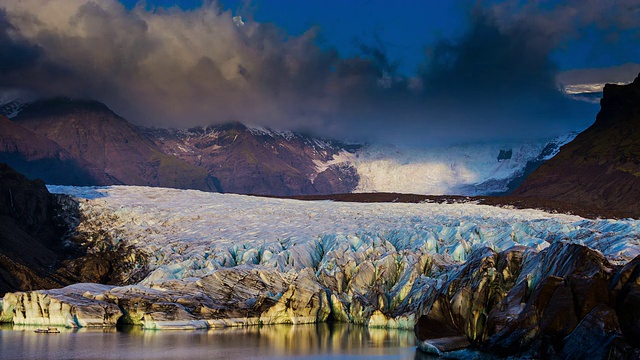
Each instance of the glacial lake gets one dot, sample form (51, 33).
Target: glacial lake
(316, 341)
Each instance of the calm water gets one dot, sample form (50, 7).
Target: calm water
(319, 341)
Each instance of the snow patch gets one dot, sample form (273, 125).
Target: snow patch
(262, 131)
(556, 144)
(339, 158)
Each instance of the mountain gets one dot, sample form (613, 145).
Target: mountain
(550, 150)
(99, 140)
(37, 156)
(82, 142)
(600, 168)
(252, 160)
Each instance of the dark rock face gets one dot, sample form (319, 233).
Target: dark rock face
(600, 168)
(102, 143)
(566, 301)
(29, 233)
(337, 179)
(505, 154)
(460, 308)
(626, 284)
(260, 161)
(37, 246)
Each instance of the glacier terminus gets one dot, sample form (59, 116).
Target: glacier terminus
(215, 260)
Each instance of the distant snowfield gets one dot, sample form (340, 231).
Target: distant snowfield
(469, 169)
(440, 170)
(189, 233)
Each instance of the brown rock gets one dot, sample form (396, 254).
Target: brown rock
(37, 156)
(462, 305)
(565, 302)
(600, 168)
(626, 289)
(556, 290)
(594, 337)
(30, 235)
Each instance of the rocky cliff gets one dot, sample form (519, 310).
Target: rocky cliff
(30, 234)
(600, 168)
(39, 248)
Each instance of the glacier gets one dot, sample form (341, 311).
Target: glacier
(216, 260)
(463, 169)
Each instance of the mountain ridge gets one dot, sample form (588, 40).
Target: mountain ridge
(91, 133)
(247, 159)
(259, 161)
(37, 156)
(601, 166)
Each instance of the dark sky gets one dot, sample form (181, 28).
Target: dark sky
(407, 72)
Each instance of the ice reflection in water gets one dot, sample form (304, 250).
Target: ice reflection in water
(319, 341)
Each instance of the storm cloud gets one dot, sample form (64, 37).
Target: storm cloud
(169, 67)
(15, 53)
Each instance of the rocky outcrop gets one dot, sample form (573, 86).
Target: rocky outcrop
(456, 314)
(30, 234)
(564, 301)
(600, 168)
(505, 154)
(626, 285)
(340, 178)
(38, 246)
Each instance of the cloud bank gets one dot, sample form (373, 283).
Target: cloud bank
(169, 67)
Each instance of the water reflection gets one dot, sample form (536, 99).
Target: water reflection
(317, 341)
